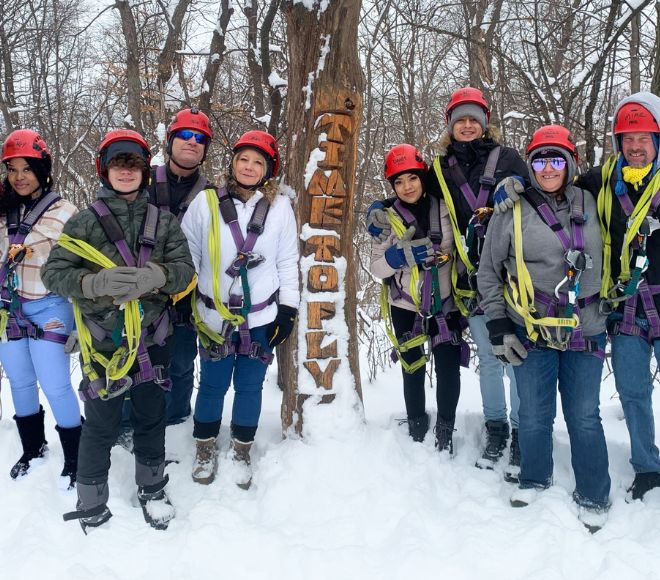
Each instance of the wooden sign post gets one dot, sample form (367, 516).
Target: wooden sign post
(324, 114)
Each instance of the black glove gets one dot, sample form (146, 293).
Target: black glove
(278, 330)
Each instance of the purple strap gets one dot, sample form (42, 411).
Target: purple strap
(628, 207)
(487, 181)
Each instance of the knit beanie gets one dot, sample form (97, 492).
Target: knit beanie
(468, 110)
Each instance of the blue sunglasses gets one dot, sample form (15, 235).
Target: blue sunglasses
(557, 163)
(186, 134)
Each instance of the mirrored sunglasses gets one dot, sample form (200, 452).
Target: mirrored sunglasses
(556, 163)
(186, 134)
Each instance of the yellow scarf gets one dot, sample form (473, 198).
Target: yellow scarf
(635, 175)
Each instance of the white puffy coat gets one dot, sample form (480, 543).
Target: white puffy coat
(278, 244)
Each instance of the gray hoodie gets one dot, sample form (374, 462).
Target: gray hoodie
(544, 258)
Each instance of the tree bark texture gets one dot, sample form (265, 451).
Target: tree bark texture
(324, 114)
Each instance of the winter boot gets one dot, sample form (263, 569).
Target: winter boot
(498, 434)
(31, 432)
(592, 518)
(91, 510)
(512, 471)
(418, 426)
(156, 506)
(70, 439)
(522, 497)
(241, 463)
(206, 461)
(444, 431)
(643, 483)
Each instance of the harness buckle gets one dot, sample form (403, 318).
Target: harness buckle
(160, 374)
(489, 181)
(256, 228)
(34, 332)
(114, 389)
(146, 241)
(18, 252)
(218, 351)
(605, 307)
(256, 350)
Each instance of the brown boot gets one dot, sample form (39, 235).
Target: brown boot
(241, 461)
(206, 461)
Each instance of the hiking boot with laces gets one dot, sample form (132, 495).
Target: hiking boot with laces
(241, 463)
(444, 431)
(512, 471)
(206, 461)
(497, 435)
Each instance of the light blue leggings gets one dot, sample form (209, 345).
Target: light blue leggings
(28, 361)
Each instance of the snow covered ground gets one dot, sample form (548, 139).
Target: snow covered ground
(352, 500)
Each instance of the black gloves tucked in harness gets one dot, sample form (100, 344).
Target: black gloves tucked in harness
(506, 345)
(278, 330)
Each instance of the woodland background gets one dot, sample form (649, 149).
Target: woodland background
(74, 69)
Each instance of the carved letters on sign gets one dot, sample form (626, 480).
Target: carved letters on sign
(328, 205)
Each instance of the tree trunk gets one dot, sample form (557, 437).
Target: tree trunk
(133, 86)
(324, 114)
(216, 56)
(655, 81)
(635, 79)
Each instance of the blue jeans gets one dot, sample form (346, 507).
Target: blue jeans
(578, 375)
(248, 378)
(491, 376)
(631, 359)
(28, 361)
(183, 348)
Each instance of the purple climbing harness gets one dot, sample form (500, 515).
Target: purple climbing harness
(163, 199)
(420, 326)
(240, 303)
(18, 325)
(573, 245)
(158, 330)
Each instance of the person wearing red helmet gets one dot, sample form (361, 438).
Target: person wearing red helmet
(547, 322)
(173, 187)
(419, 244)
(243, 239)
(119, 261)
(627, 186)
(471, 161)
(34, 322)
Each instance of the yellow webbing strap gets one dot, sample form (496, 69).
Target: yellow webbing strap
(180, 295)
(205, 333)
(459, 248)
(605, 200)
(520, 296)
(4, 318)
(399, 228)
(123, 358)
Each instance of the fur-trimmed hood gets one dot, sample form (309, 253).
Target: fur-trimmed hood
(442, 144)
(269, 189)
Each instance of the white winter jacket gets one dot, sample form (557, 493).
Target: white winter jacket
(278, 244)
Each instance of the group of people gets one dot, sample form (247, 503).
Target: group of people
(161, 259)
(542, 264)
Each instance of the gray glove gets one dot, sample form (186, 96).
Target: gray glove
(147, 279)
(507, 192)
(109, 282)
(378, 224)
(409, 252)
(71, 345)
(511, 350)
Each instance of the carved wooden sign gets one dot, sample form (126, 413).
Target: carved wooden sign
(328, 187)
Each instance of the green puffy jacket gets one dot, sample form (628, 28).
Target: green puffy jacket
(64, 271)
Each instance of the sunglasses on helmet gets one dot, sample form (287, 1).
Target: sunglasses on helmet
(556, 163)
(186, 134)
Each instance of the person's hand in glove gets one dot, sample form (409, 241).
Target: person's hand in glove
(109, 282)
(409, 252)
(506, 345)
(378, 222)
(278, 330)
(71, 345)
(147, 279)
(507, 192)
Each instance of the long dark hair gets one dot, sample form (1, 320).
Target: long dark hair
(42, 168)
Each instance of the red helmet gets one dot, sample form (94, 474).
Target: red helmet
(634, 118)
(190, 119)
(403, 158)
(266, 144)
(553, 135)
(120, 141)
(25, 143)
(464, 96)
